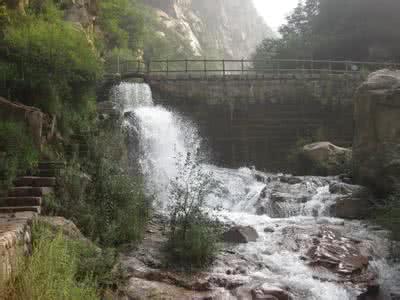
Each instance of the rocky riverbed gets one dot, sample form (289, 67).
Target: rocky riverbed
(304, 254)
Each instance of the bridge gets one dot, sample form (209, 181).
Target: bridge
(244, 69)
(257, 111)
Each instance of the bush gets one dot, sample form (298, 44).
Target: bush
(192, 242)
(17, 151)
(97, 193)
(50, 273)
(388, 215)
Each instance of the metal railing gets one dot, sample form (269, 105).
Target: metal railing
(222, 67)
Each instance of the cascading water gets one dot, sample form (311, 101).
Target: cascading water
(287, 212)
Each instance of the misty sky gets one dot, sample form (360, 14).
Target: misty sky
(275, 11)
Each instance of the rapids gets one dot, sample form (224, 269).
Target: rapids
(287, 214)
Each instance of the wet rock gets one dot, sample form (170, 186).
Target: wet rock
(269, 230)
(240, 234)
(351, 207)
(267, 291)
(346, 189)
(290, 179)
(343, 257)
(395, 294)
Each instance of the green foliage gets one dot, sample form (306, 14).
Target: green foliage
(388, 215)
(337, 29)
(192, 241)
(123, 24)
(98, 194)
(17, 151)
(50, 273)
(47, 62)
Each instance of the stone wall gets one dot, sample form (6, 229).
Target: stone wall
(259, 121)
(15, 242)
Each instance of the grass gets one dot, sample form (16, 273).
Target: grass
(51, 272)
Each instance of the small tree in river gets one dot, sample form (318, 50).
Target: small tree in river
(192, 241)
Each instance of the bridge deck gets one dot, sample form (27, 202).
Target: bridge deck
(241, 69)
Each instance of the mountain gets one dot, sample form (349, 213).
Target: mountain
(214, 28)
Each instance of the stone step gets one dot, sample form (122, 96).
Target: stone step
(55, 165)
(28, 191)
(47, 172)
(35, 181)
(16, 209)
(21, 201)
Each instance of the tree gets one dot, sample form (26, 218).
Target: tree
(192, 241)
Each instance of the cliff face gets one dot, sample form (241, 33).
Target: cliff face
(214, 28)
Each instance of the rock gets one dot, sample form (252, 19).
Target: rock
(355, 202)
(290, 179)
(376, 141)
(204, 25)
(345, 189)
(67, 227)
(351, 208)
(326, 158)
(267, 291)
(395, 293)
(342, 256)
(240, 234)
(269, 230)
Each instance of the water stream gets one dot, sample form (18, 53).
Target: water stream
(287, 212)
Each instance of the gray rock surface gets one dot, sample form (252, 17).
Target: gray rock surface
(376, 143)
(240, 234)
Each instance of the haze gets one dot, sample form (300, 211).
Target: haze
(275, 11)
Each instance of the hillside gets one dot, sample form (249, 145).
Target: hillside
(217, 28)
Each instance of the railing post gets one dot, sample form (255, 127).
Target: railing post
(223, 67)
(205, 67)
(148, 67)
(242, 63)
(167, 67)
(186, 65)
(138, 66)
(118, 64)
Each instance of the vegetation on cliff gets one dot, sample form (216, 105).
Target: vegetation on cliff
(339, 29)
(17, 151)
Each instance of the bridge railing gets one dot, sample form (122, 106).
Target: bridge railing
(227, 67)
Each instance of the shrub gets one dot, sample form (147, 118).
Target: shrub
(192, 241)
(388, 215)
(97, 193)
(17, 151)
(50, 273)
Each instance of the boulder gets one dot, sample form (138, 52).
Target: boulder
(376, 144)
(240, 234)
(268, 292)
(342, 256)
(346, 189)
(354, 203)
(325, 158)
(290, 179)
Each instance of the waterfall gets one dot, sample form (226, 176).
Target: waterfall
(293, 208)
(164, 137)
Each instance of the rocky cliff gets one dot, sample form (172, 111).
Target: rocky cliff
(376, 145)
(214, 28)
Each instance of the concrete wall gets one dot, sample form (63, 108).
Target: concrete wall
(259, 121)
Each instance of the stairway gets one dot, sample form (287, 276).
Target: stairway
(29, 190)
